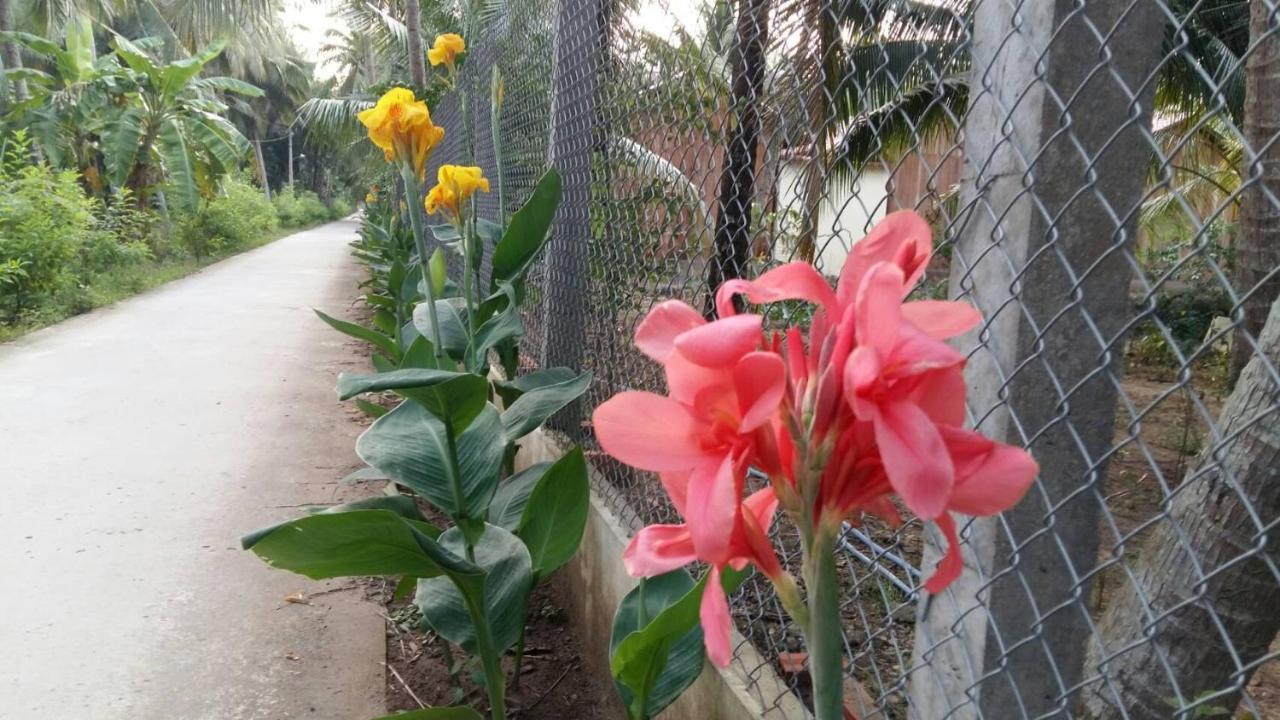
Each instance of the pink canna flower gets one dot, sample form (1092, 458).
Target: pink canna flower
(657, 549)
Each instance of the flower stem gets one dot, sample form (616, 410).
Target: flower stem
(495, 683)
(824, 633)
(414, 194)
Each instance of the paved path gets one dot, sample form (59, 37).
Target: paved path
(137, 443)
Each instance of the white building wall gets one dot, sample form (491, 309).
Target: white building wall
(847, 212)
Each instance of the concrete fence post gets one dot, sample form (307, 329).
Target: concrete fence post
(1055, 161)
(581, 32)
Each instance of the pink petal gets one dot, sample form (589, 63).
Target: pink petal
(915, 458)
(723, 342)
(941, 319)
(796, 359)
(657, 549)
(991, 477)
(716, 622)
(713, 501)
(648, 431)
(793, 281)
(687, 381)
(952, 563)
(656, 334)
(916, 352)
(861, 371)
(760, 379)
(676, 483)
(878, 310)
(763, 505)
(755, 533)
(940, 394)
(902, 238)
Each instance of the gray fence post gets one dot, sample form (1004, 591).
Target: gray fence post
(580, 37)
(1056, 155)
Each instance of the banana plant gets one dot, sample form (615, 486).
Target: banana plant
(450, 443)
(174, 128)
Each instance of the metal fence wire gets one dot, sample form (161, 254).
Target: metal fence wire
(1103, 179)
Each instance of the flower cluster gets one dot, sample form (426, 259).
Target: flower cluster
(401, 126)
(868, 408)
(455, 185)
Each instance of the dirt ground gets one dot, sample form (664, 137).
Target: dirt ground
(554, 684)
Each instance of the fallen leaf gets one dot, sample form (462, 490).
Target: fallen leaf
(292, 656)
(298, 598)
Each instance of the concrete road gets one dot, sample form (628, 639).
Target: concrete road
(137, 443)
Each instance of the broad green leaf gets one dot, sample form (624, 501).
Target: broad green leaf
(120, 144)
(351, 543)
(135, 58)
(453, 333)
(436, 713)
(419, 354)
(175, 75)
(411, 446)
(373, 410)
(359, 332)
(673, 662)
(176, 157)
(381, 363)
(533, 407)
(36, 43)
(509, 390)
(439, 273)
(527, 231)
(76, 65)
(507, 507)
(453, 397)
(223, 83)
(633, 656)
(507, 583)
(398, 504)
(556, 514)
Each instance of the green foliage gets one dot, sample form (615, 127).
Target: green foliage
(44, 220)
(239, 218)
(298, 208)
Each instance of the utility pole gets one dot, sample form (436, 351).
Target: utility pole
(290, 158)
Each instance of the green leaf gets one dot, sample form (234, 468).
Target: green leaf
(120, 144)
(175, 76)
(556, 514)
(375, 338)
(439, 272)
(363, 474)
(509, 390)
(76, 65)
(176, 157)
(507, 582)
(453, 333)
(635, 654)
(436, 713)
(453, 397)
(351, 543)
(398, 504)
(533, 407)
(411, 446)
(419, 354)
(527, 232)
(373, 410)
(672, 662)
(507, 507)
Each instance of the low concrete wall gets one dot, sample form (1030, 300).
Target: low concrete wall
(594, 583)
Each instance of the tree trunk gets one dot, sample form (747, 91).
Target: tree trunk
(417, 58)
(260, 160)
(12, 57)
(818, 108)
(1257, 249)
(1209, 603)
(737, 178)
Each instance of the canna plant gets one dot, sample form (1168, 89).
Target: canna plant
(864, 414)
(452, 439)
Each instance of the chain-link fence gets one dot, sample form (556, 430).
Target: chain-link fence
(1103, 178)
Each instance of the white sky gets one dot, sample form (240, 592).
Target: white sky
(308, 20)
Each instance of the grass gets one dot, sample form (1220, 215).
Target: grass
(123, 282)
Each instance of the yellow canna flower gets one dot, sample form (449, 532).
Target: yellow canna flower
(401, 125)
(370, 198)
(446, 49)
(457, 183)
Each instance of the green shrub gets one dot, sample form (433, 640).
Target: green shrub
(44, 219)
(237, 219)
(339, 208)
(297, 208)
